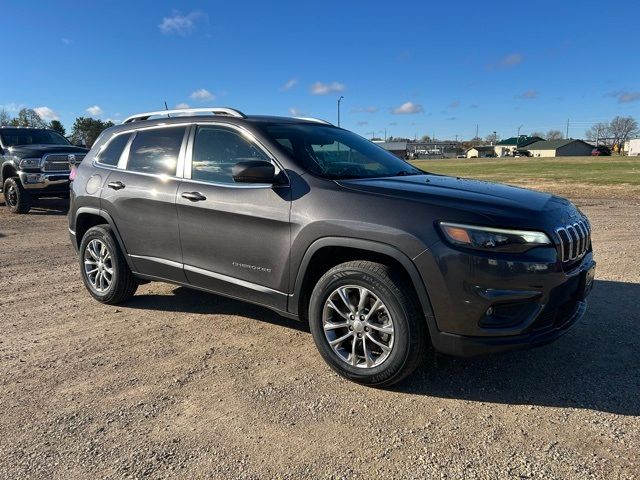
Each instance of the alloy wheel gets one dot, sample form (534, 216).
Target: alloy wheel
(11, 196)
(98, 265)
(358, 326)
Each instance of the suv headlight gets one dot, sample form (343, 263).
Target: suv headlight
(493, 239)
(30, 163)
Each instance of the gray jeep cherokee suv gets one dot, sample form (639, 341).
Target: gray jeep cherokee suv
(319, 224)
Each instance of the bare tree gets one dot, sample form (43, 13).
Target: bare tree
(28, 117)
(554, 135)
(5, 118)
(621, 129)
(537, 134)
(492, 138)
(598, 133)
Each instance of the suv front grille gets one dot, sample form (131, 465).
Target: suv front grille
(575, 240)
(59, 162)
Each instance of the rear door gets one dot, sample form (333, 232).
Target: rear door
(140, 195)
(235, 237)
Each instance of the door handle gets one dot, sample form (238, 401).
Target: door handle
(194, 196)
(116, 185)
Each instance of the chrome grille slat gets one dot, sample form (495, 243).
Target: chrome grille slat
(574, 240)
(59, 162)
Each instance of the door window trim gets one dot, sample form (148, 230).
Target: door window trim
(249, 137)
(124, 156)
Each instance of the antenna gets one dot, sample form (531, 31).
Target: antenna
(166, 108)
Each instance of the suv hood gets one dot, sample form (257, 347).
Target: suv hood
(25, 151)
(486, 198)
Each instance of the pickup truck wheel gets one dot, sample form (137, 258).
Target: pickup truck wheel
(15, 196)
(366, 323)
(104, 270)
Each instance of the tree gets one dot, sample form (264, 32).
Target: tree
(621, 129)
(599, 132)
(425, 138)
(28, 117)
(492, 138)
(536, 134)
(554, 135)
(5, 118)
(86, 130)
(57, 126)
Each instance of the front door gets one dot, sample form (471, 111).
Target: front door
(235, 237)
(140, 195)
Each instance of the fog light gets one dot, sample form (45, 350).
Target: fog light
(489, 311)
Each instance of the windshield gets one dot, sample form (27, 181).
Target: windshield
(336, 154)
(12, 137)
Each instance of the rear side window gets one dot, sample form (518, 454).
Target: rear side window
(111, 154)
(156, 150)
(216, 150)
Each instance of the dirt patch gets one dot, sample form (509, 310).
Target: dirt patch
(179, 383)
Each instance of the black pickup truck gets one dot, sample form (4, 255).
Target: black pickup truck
(35, 163)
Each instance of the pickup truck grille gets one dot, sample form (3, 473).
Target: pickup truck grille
(575, 240)
(59, 162)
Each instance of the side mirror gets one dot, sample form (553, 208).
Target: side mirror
(254, 171)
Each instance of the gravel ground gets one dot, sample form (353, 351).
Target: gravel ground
(179, 383)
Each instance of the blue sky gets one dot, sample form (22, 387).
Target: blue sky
(411, 68)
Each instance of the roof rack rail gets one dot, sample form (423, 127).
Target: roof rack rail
(231, 112)
(312, 119)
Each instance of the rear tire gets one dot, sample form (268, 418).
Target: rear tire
(16, 197)
(387, 327)
(104, 270)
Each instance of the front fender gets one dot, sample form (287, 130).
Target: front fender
(369, 245)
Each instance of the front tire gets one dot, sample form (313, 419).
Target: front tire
(15, 196)
(104, 270)
(367, 323)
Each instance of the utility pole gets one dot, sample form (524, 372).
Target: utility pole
(385, 134)
(518, 138)
(339, 100)
(477, 125)
(567, 136)
(495, 137)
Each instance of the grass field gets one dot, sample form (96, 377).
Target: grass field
(597, 171)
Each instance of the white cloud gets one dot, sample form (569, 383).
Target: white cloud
(289, 85)
(12, 107)
(95, 111)
(454, 104)
(625, 96)
(181, 24)
(46, 113)
(66, 41)
(407, 108)
(182, 105)
(529, 94)
(512, 59)
(369, 109)
(320, 88)
(362, 123)
(203, 95)
(295, 111)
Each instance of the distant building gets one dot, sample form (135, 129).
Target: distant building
(484, 151)
(632, 147)
(508, 146)
(399, 149)
(559, 148)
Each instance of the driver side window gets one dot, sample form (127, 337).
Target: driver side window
(216, 150)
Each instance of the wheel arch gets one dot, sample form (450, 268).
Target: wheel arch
(327, 252)
(8, 170)
(87, 217)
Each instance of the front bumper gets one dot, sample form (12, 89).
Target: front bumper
(486, 303)
(45, 183)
